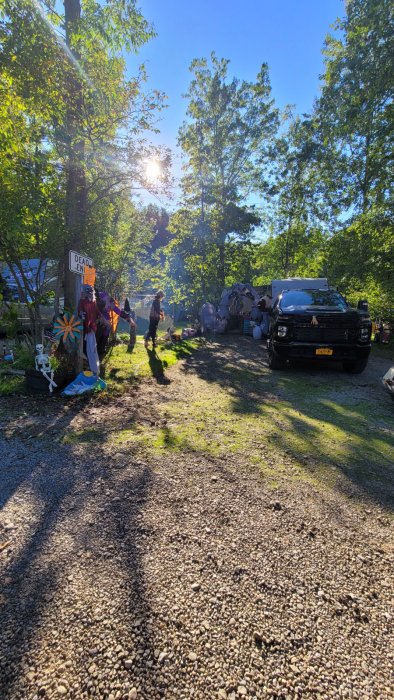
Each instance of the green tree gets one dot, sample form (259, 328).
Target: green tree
(121, 246)
(227, 141)
(356, 126)
(356, 107)
(192, 259)
(300, 209)
(68, 70)
(190, 262)
(30, 193)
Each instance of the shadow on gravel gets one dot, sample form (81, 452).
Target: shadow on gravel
(329, 421)
(83, 549)
(21, 459)
(157, 367)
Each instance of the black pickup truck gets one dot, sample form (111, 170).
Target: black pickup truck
(314, 324)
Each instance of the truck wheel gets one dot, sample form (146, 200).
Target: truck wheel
(275, 362)
(355, 367)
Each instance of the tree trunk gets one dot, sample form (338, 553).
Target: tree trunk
(37, 324)
(76, 189)
(60, 272)
(286, 266)
(222, 264)
(365, 182)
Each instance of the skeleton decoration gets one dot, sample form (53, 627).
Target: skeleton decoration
(43, 364)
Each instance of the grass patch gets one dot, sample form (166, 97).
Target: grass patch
(313, 426)
(11, 384)
(121, 367)
(138, 435)
(14, 384)
(76, 437)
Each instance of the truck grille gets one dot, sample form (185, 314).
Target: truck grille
(323, 334)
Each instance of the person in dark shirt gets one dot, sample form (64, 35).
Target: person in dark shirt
(156, 314)
(265, 304)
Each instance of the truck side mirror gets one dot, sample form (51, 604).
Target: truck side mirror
(363, 305)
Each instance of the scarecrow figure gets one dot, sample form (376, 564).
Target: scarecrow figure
(89, 312)
(108, 305)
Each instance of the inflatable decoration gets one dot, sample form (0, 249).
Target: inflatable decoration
(67, 326)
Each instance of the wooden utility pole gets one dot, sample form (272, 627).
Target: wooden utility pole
(76, 189)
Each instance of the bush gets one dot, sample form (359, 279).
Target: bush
(25, 359)
(9, 320)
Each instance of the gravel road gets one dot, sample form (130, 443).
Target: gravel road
(129, 572)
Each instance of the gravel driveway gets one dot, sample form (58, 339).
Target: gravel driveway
(135, 566)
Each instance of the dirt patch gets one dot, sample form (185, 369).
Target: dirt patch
(223, 535)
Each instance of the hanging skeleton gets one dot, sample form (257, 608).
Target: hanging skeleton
(43, 365)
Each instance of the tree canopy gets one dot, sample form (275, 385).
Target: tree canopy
(73, 131)
(263, 194)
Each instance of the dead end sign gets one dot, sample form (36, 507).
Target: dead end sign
(78, 262)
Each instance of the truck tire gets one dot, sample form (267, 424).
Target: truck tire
(355, 367)
(274, 361)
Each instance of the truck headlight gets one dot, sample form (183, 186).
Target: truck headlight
(364, 333)
(282, 330)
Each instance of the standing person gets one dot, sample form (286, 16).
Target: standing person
(156, 314)
(265, 304)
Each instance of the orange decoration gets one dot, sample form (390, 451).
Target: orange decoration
(89, 275)
(67, 325)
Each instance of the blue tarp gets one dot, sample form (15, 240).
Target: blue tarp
(85, 381)
(31, 280)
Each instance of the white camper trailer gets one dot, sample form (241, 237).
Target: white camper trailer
(277, 286)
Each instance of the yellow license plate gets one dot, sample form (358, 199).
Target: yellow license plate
(324, 351)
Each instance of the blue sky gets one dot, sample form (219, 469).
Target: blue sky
(286, 34)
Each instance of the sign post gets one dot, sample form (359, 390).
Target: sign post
(78, 263)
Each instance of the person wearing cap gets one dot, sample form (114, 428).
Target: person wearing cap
(156, 314)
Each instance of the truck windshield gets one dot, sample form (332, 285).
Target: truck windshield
(312, 298)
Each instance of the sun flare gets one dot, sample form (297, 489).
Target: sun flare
(153, 171)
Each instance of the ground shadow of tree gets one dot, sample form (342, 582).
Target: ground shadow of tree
(86, 499)
(324, 418)
(19, 431)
